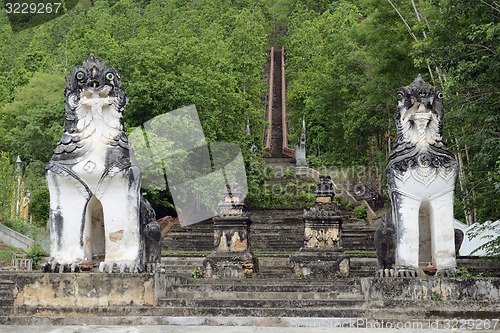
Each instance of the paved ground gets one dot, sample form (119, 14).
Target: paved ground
(211, 329)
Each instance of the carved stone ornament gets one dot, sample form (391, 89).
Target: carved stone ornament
(96, 210)
(419, 151)
(232, 256)
(322, 255)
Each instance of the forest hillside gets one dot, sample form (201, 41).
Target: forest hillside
(345, 61)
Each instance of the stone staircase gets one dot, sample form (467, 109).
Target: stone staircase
(6, 297)
(265, 298)
(280, 164)
(268, 302)
(272, 231)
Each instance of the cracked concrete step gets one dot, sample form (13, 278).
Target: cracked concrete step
(236, 303)
(208, 302)
(57, 314)
(268, 295)
(156, 314)
(344, 289)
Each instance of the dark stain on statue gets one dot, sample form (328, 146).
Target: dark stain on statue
(58, 221)
(84, 218)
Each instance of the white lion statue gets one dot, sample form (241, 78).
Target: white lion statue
(421, 173)
(96, 209)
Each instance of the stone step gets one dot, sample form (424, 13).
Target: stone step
(362, 319)
(399, 310)
(6, 303)
(6, 296)
(182, 260)
(278, 267)
(158, 315)
(289, 286)
(259, 303)
(277, 230)
(267, 295)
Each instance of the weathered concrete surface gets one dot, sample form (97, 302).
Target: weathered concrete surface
(88, 289)
(216, 329)
(448, 289)
(162, 299)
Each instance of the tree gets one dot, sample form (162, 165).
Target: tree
(7, 186)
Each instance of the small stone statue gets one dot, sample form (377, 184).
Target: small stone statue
(300, 148)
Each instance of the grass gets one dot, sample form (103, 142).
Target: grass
(6, 253)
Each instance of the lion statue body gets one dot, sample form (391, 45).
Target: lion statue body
(94, 181)
(421, 174)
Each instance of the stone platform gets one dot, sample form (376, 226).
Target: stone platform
(133, 299)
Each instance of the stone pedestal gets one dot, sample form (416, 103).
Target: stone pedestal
(322, 255)
(231, 257)
(301, 171)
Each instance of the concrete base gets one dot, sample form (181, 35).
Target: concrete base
(114, 299)
(89, 289)
(318, 264)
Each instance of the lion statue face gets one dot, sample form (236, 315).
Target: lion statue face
(419, 115)
(94, 105)
(94, 76)
(419, 144)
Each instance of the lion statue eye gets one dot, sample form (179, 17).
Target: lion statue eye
(80, 75)
(440, 95)
(110, 76)
(399, 96)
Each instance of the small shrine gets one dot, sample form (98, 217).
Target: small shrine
(322, 255)
(231, 257)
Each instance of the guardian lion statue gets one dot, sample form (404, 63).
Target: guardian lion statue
(421, 174)
(96, 210)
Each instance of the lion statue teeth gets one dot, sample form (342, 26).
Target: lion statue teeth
(94, 181)
(421, 174)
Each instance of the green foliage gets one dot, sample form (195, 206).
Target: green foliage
(463, 272)
(360, 212)
(437, 297)
(36, 253)
(492, 245)
(344, 203)
(17, 224)
(341, 71)
(169, 54)
(465, 46)
(345, 60)
(7, 185)
(197, 273)
(6, 253)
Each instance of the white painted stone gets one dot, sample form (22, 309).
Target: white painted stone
(94, 180)
(422, 173)
(473, 240)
